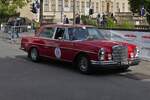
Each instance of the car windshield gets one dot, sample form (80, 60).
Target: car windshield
(84, 34)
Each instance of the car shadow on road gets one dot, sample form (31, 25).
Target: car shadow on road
(69, 66)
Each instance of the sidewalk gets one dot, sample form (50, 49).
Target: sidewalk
(6, 37)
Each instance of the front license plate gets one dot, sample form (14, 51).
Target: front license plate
(125, 63)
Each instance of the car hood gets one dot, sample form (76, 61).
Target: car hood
(101, 43)
(108, 44)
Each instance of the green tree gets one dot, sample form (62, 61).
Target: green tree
(8, 7)
(136, 5)
(148, 10)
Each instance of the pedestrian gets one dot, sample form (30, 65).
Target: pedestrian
(113, 18)
(66, 20)
(98, 19)
(77, 19)
(104, 21)
(15, 29)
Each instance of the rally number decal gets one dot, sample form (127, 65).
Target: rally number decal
(58, 53)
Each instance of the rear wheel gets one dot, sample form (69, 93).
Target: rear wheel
(34, 55)
(84, 64)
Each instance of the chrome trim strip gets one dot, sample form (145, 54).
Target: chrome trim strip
(61, 47)
(56, 58)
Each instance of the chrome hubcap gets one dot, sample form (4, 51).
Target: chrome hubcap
(83, 64)
(34, 54)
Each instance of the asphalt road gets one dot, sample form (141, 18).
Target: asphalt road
(21, 79)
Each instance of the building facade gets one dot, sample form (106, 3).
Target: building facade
(52, 8)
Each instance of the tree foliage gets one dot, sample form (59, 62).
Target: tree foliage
(136, 5)
(9, 7)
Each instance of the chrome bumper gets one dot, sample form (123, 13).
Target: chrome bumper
(135, 61)
(130, 62)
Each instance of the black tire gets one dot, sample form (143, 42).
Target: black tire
(34, 54)
(83, 64)
(124, 68)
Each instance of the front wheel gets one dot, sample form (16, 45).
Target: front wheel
(124, 68)
(84, 65)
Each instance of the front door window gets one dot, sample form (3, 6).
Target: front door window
(59, 33)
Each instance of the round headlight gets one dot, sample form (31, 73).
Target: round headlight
(101, 54)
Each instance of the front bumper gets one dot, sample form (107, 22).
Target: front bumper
(130, 62)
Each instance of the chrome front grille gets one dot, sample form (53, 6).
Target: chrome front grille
(120, 53)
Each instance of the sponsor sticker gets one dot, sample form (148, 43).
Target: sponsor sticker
(58, 53)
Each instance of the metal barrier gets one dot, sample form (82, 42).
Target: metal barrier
(17, 31)
(21, 29)
(141, 39)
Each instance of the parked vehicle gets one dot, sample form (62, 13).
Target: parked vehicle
(82, 45)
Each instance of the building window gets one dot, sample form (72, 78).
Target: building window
(123, 7)
(78, 6)
(118, 8)
(82, 6)
(53, 5)
(46, 5)
(71, 5)
(59, 5)
(92, 5)
(66, 3)
(97, 7)
(112, 6)
(87, 4)
(103, 6)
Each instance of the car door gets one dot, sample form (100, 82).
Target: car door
(46, 41)
(65, 48)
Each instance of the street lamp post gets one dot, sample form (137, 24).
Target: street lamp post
(74, 11)
(41, 11)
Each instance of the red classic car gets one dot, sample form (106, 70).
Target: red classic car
(82, 45)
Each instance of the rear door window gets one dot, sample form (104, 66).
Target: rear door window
(47, 32)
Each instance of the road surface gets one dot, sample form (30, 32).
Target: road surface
(21, 79)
